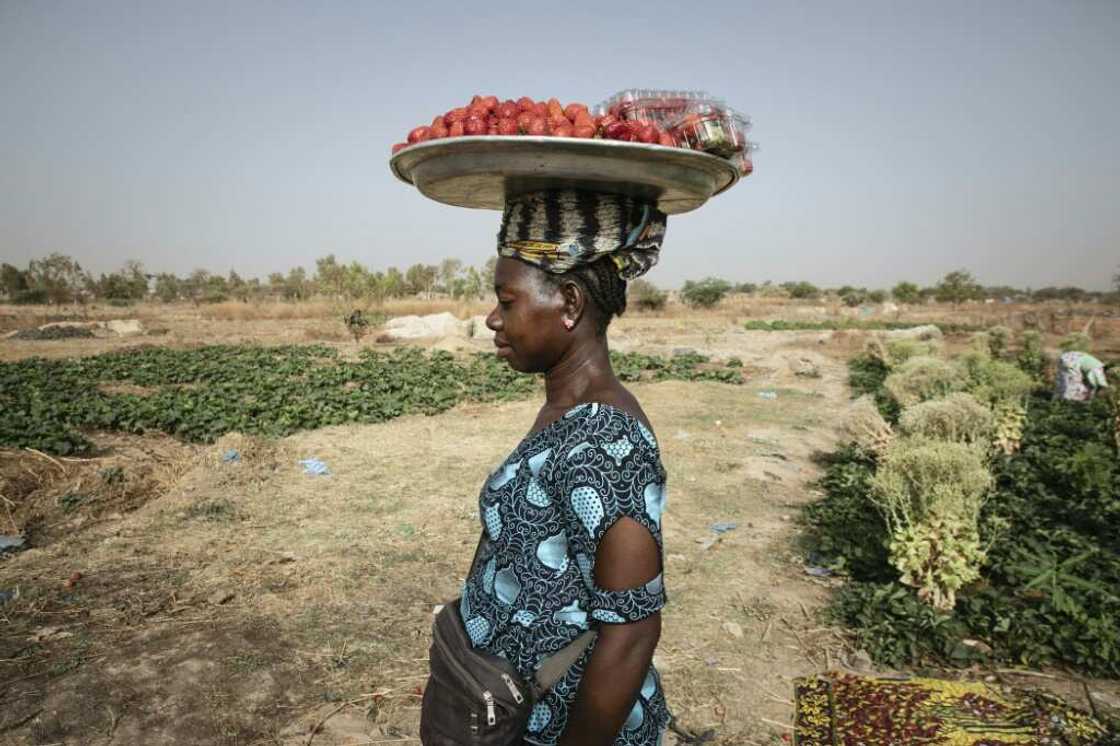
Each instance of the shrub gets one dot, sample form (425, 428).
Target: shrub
(866, 427)
(998, 339)
(802, 289)
(922, 378)
(1031, 359)
(958, 417)
(906, 292)
(31, 297)
(705, 293)
(877, 296)
(898, 351)
(930, 493)
(993, 381)
(866, 374)
(645, 296)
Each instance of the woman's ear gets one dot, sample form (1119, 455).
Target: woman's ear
(575, 303)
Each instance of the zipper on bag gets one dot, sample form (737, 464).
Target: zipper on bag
(491, 715)
(513, 690)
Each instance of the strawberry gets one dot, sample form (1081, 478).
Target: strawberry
(617, 131)
(582, 119)
(455, 130)
(647, 133)
(420, 134)
(399, 146)
(507, 126)
(563, 130)
(474, 126)
(538, 126)
(507, 110)
(667, 140)
(583, 130)
(479, 110)
(571, 111)
(456, 115)
(439, 129)
(540, 109)
(525, 104)
(555, 110)
(523, 120)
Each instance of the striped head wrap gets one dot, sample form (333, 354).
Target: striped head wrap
(560, 229)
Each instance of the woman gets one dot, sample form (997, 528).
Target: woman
(1080, 376)
(572, 517)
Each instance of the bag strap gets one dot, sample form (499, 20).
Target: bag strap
(553, 668)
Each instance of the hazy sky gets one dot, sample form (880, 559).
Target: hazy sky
(900, 140)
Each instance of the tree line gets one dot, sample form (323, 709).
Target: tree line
(59, 279)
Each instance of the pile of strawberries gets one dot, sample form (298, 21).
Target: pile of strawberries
(485, 115)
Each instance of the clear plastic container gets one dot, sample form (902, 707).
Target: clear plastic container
(711, 129)
(650, 105)
(744, 159)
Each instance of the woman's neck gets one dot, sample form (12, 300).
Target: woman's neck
(584, 370)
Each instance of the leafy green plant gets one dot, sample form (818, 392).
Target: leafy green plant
(922, 378)
(201, 394)
(958, 417)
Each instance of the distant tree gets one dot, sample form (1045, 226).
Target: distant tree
(421, 278)
(330, 276)
(168, 287)
(13, 281)
(473, 284)
(1116, 280)
(296, 285)
(449, 270)
(704, 293)
(395, 285)
(852, 296)
(745, 287)
(645, 296)
(801, 290)
(957, 287)
(876, 296)
(57, 275)
(906, 292)
(237, 287)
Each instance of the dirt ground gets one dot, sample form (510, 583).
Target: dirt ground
(206, 601)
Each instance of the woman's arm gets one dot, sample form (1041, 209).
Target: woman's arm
(627, 557)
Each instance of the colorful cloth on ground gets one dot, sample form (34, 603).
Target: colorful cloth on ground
(1079, 373)
(561, 229)
(839, 709)
(532, 589)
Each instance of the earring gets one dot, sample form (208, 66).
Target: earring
(568, 324)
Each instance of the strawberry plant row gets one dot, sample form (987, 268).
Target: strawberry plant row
(201, 394)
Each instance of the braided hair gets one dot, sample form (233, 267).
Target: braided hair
(602, 284)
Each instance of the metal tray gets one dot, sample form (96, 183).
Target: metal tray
(483, 172)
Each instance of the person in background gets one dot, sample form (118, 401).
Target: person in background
(1080, 376)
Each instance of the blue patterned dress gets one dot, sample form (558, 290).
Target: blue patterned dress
(532, 590)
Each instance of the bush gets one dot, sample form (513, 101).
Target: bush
(993, 381)
(930, 493)
(898, 351)
(922, 378)
(802, 290)
(958, 417)
(866, 374)
(706, 293)
(864, 426)
(876, 296)
(1079, 341)
(906, 292)
(31, 297)
(1031, 359)
(645, 296)
(998, 339)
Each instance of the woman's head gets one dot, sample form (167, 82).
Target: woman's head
(540, 315)
(565, 260)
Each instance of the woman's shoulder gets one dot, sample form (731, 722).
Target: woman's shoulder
(601, 423)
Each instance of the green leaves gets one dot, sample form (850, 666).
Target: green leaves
(201, 394)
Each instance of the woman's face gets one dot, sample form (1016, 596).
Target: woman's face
(528, 321)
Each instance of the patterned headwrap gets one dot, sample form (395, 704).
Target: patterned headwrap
(558, 230)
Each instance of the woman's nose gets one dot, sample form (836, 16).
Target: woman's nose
(494, 320)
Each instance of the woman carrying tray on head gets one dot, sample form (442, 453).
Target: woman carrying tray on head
(572, 518)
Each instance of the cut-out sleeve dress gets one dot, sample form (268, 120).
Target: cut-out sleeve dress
(532, 590)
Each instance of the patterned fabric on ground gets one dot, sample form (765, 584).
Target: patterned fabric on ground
(1078, 374)
(532, 588)
(844, 710)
